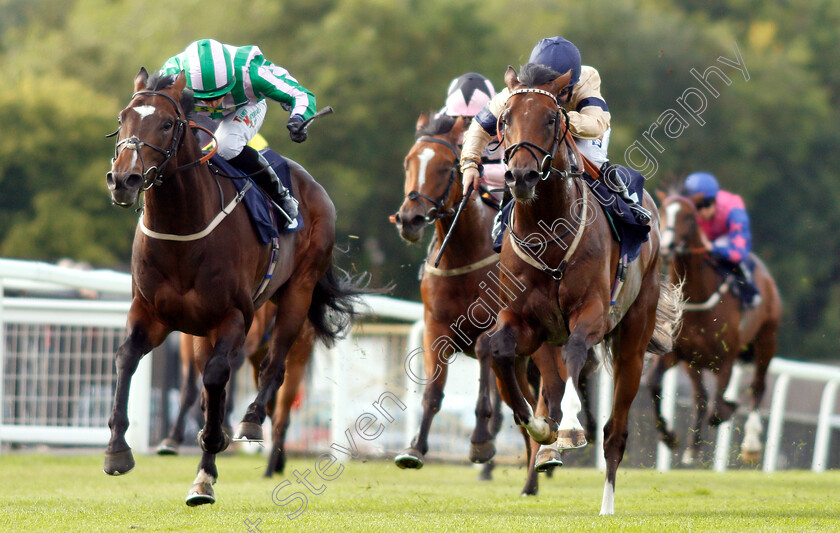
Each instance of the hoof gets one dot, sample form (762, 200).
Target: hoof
(528, 493)
(751, 456)
(199, 494)
(167, 447)
(722, 413)
(223, 445)
(248, 432)
(547, 459)
(688, 457)
(118, 463)
(410, 458)
(568, 439)
(671, 441)
(481, 452)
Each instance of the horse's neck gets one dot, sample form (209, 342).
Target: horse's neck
(185, 201)
(550, 210)
(470, 239)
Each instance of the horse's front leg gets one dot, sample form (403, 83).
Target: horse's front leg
(482, 446)
(586, 332)
(503, 345)
(290, 318)
(701, 399)
(230, 336)
(548, 360)
(661, 363)
(143, 335)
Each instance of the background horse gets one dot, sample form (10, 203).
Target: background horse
(559, 247)
(255, 350)
(458, 297)
(715, 329)
(198, 267)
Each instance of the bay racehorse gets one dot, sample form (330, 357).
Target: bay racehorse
(194, 352)
(198, 267)
(459, 296)
(715, 329)
(559, 246)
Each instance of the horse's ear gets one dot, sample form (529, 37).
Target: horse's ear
(661, 195)
(511, 79)
(422, 121)
(140, 79)
(558, 84)
(180, 82)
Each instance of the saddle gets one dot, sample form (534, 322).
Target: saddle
(263, 218)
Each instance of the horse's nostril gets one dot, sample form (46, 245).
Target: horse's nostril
(133, 181)
(418, 220)
(397, 218)
(109, 179)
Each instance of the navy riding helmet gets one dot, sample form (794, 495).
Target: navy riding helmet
(558, 54)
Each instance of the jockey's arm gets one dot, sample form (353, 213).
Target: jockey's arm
(478, 136)
(737, 246)
(275, 82)
(589, 116)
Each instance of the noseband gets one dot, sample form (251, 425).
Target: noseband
(436, 212)
(544, 158)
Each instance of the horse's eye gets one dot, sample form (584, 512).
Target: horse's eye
(551, 120)
(167, 125)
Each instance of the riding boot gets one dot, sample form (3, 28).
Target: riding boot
(264, 176)
(617, 185)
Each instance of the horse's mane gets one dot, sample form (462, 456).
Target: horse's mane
(437, 125)
(158, 82)
(534, 74)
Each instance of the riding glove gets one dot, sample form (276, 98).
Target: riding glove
(297, 128)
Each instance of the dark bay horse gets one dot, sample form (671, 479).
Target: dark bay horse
(194, 352)
(459, 296)
(559, 246)
(715, 329)
(198, 267)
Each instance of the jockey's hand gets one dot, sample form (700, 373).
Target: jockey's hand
(707, 244)
(297, 130)
(471, 177)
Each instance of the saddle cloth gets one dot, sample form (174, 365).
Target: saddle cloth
(266, 223)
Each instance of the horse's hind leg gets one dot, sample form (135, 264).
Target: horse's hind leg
(201, 491)
(435, 366)
(143, 335)
(189, 393)
(482, 446)
(495, 425)
(695, 441)
(295, 367)
(661, 363)
(765, 349)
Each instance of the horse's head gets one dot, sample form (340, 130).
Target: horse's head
(432, 183)
(152, 128)
(533, 125)
(678, 226)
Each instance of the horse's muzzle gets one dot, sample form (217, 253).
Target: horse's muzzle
(522, 182)
(410, 225)
(124, 187)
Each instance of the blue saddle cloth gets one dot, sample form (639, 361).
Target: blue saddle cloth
(266, 224)
(630, 232)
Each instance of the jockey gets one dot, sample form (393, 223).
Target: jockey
(725, 224)
(466, 97)
(230, 85)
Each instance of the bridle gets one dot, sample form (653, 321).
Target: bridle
(436, 211)
(544, 158)
(154, 174)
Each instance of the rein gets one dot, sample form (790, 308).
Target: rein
(436, 212)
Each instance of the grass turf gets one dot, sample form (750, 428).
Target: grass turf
(70, 493)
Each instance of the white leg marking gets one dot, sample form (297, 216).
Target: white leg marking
(608, 501)
(536, 426)
(144, 110)
(425, 156)
(752, 433)
(570, 406)
(204, 477)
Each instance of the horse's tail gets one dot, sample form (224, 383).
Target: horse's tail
(335, 301)
(669, 312)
